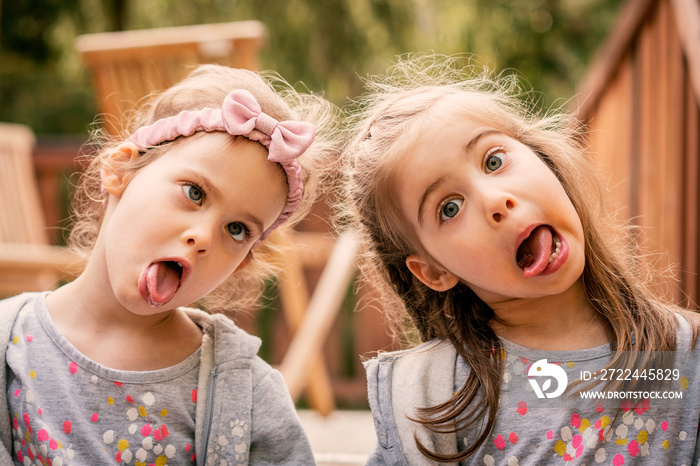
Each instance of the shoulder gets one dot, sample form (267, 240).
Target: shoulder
(10, 308)
(427, 357)
(398, 383)
(687, 329)
(231, 346)
(424, 373)
(229, 341)
(15, 303)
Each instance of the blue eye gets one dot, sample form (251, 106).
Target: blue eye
(494, 162)
(451, 209)
(238, 231)
(193, 193)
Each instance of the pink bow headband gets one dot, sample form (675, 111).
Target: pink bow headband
(241, 115)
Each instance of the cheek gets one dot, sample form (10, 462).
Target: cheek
(469, 260)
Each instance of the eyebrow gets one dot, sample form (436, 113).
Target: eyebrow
(436, 184)
(211, 190)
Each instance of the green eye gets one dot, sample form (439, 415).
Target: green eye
(494, 162)
(238, 231)
(451, 209)
(193, 193)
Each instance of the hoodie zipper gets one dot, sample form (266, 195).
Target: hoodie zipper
(211, 391)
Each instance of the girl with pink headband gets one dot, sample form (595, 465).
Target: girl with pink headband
(114, 366)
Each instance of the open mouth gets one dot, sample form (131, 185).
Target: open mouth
(160, 281)
(538, 250)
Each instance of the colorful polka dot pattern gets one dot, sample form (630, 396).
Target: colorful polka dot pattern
(586, 436)
(134, 425)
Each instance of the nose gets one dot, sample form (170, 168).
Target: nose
(499, 206)
(200, 238)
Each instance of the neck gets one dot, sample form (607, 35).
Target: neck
(561, 322)
(87, 312)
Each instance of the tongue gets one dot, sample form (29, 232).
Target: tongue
(534, 253)
(161, 282)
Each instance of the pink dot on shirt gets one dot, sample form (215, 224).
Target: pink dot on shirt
(499, 442)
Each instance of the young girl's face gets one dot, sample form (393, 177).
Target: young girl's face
(489, 212)
(178, 227)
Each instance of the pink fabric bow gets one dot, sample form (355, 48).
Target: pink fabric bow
(241, 115)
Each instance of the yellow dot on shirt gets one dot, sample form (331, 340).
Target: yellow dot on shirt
(684, 383)
(32, 374)
(110, 400)
(123, 444)
(585, 424)
(666, 444)
(164, 413)
(15, 340)
(162, 460)
(642, 437)
(560, 447)
(142, 411)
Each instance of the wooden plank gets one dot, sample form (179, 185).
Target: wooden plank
(605, 64)
(645, 71)
(21, 205)
(22, 256)
(93, 46)
(691, 152)
(294, 294)
(687, 16)
(663, 159)
(611, 136)
(673, 207)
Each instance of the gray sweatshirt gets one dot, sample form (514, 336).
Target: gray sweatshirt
(534, 430)
(243, 413)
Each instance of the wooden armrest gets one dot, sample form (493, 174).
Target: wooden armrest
(323, 308)
(39, 257)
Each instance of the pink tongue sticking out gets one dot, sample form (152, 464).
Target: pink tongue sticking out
(533, 254)
(162, 280)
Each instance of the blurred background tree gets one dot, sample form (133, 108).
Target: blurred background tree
(326, 44)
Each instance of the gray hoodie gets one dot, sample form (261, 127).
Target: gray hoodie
(235, 385)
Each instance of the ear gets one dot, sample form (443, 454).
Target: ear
(431, 276)
(114, 178)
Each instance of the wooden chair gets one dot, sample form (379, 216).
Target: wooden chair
(127, 66)
(27, 261)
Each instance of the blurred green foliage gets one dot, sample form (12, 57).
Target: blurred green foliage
(326, 44)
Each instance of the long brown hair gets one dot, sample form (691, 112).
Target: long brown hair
(396, 111)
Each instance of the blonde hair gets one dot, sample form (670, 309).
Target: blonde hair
(207, 86)
(396, 111)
